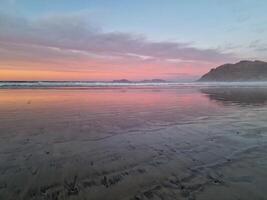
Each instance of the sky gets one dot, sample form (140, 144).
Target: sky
(89, 40)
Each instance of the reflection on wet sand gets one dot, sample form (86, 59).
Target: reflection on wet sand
(131, 144)
(246, 96)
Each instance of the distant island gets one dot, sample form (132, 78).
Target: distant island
(122, 81)
(143, 81)
(238, 72)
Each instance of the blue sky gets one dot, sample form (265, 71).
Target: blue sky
(231, 27)
(204, 23)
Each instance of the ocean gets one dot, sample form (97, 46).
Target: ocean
(99, 140)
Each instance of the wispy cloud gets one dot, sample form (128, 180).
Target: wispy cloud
(71, 32)
(69, 42)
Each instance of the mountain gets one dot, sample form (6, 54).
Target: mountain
(153, 81)
(143, 81)
(241, 71)
(122, 81)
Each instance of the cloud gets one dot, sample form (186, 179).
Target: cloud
(73, 33)
(258, 45)
(71, 43)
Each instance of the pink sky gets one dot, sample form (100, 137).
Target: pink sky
(63, 47)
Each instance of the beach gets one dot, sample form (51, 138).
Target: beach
(133, 143)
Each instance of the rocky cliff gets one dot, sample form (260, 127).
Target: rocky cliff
(241, 71)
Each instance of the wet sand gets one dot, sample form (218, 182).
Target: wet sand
(137, 143)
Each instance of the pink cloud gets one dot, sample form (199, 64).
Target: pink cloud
(68, 43)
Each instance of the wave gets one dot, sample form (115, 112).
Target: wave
(55, 84)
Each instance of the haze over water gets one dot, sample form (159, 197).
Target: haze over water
(133, 100)
(147, 142)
